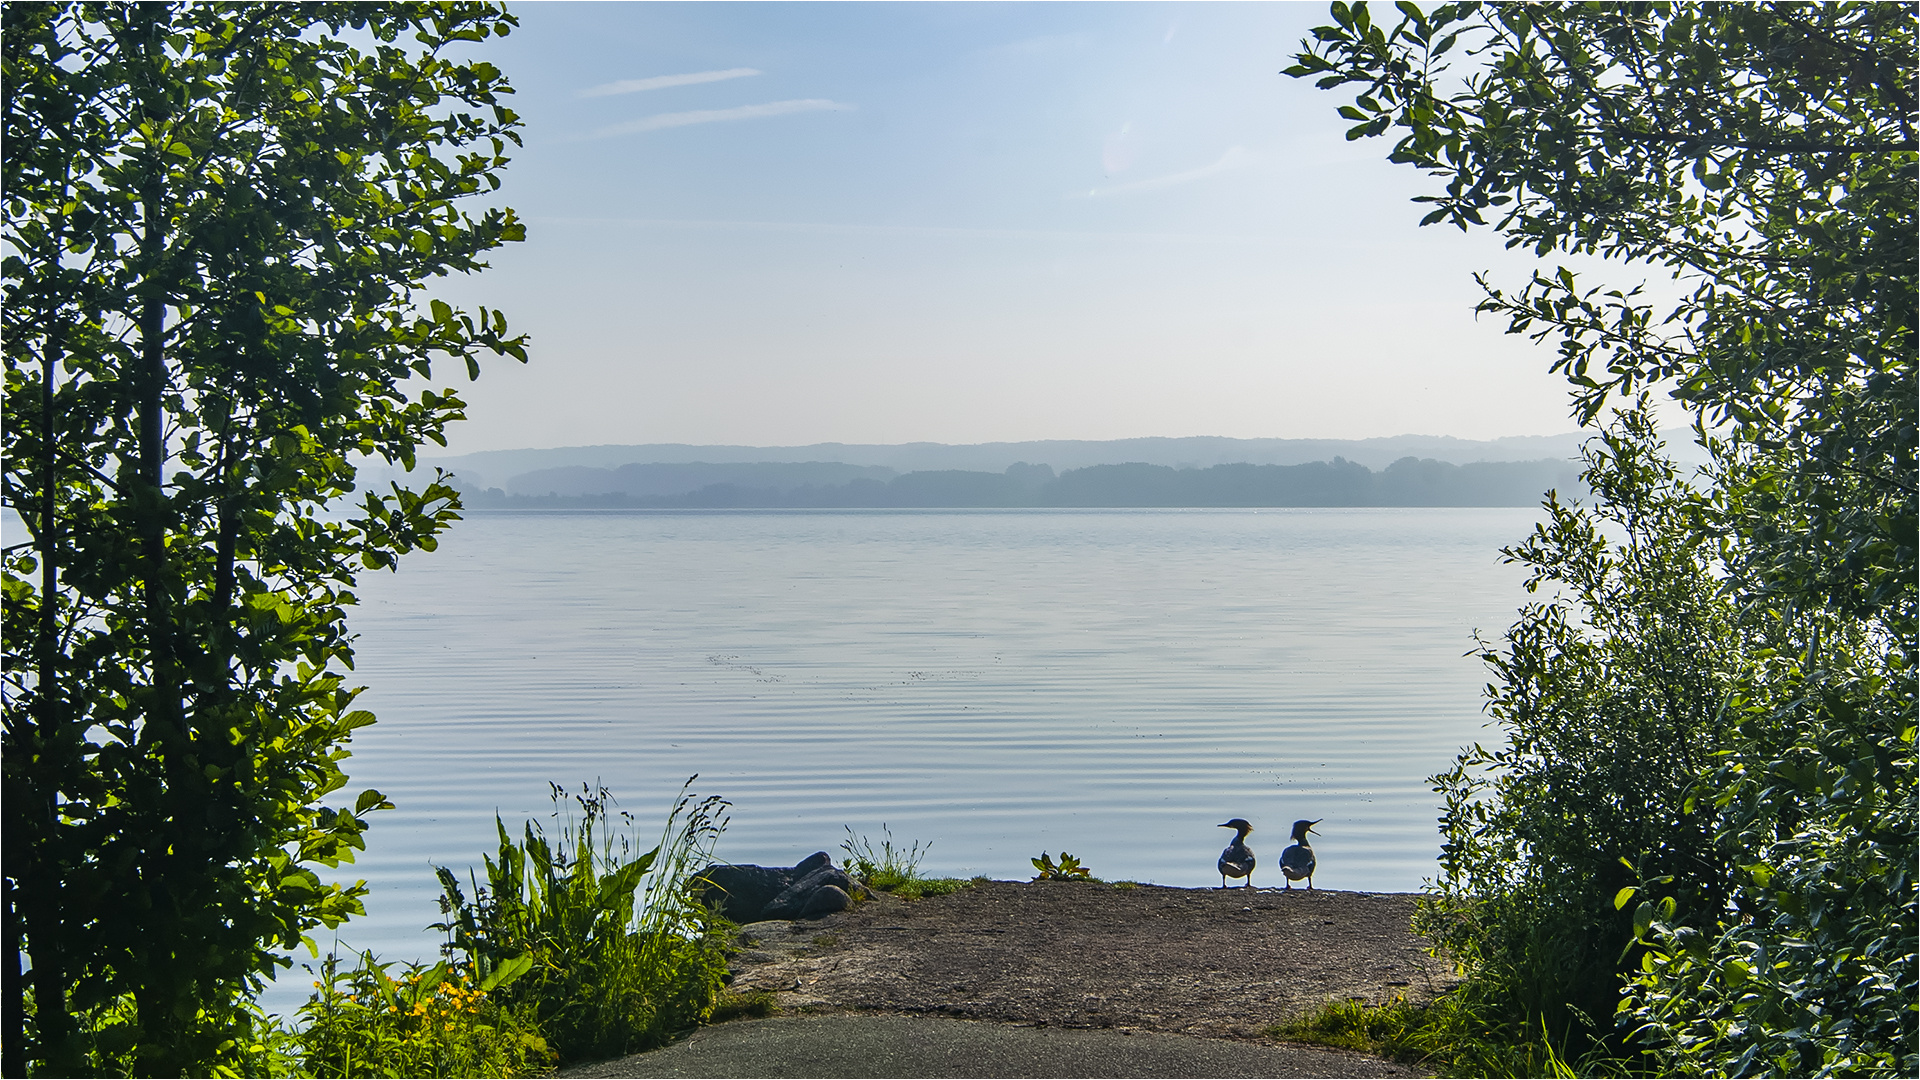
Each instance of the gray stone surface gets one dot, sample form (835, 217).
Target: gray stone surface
(747, 893)
(850, 1044)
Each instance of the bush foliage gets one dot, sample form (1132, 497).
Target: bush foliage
(1698, 842)
(219, 218)
(438, 1021)
(1609, 694)
(619, 955)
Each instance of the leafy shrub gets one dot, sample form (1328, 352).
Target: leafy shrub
(1068, 869)
(1775, 930)
(1809, 969)
(174, 647)
(1611, 697)
(620, 955)
(1745, 772)
(431, 1021)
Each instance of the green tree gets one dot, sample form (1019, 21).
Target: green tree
(1765, 156)
(219, 218)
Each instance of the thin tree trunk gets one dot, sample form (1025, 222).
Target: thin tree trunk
(169, 855)
(36, 916)
(13, 1054)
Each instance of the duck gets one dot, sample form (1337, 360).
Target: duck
(1297, 861)
(1237, 859)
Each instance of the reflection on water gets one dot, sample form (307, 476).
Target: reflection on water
(1109, 683)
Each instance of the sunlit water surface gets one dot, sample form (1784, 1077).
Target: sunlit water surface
(1109, 683)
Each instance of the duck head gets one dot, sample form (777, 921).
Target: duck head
(1302, 828)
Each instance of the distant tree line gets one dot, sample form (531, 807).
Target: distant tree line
(678, 478)
(1407, 482)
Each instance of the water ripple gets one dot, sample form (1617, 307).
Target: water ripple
(1111, 683)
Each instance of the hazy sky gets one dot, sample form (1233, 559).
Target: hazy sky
(794, 223)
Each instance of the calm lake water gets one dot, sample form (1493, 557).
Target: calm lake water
(995, 683)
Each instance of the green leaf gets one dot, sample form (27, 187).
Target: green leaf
(1642, 920)
(506, 972)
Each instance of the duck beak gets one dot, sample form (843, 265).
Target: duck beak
(1310, 828)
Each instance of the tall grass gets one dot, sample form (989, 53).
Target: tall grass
(891, 868)
(619, 955)
(886, 867)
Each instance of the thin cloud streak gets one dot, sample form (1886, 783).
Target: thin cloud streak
(714, 116)
(1232, 159)
(662, 82)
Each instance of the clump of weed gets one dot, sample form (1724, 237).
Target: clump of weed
(1068, 869)
(1391, 1030)
(1126, 884)
(920, 888)
(888, 868)
(752, 1005)
(1449, 1035)
(892, 869)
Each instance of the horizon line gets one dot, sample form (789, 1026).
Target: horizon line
(1021, 442)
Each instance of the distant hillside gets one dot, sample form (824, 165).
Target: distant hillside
(1407, 482)
(504, 468)
(678, 479)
